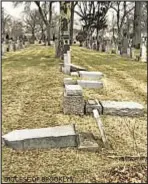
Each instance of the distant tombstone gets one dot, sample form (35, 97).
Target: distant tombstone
(132, 53)
(94, 46)
(143, 53)
(10, 46)
(104, 46)
(124, 44)
(14, 46)
(113, 48)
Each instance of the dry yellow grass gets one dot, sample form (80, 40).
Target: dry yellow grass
(32, 92)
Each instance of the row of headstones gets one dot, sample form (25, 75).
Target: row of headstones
(73, 102)
(125, 49)
(12, 46)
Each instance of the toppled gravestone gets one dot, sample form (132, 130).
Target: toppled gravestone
(43, 138)
(73, 102)
(122, 108)
(90, 84)
(91, 75)
(115, 108)
(75, 68)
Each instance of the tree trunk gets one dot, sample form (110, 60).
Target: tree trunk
(71, 22)
(49, 24)
(97, 40)
(137, 25)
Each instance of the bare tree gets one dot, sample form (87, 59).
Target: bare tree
(31, 22)
(42, 14)
(122, 9)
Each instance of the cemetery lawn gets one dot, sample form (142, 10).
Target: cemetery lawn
(32, 92)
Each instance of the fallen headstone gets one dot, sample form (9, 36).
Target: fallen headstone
(75, 68)
(90, 84)
(43, 138)
(91, 75)
(122, 108)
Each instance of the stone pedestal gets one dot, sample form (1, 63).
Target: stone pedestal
(73, 102)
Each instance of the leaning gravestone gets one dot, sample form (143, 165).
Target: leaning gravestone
(42, 138)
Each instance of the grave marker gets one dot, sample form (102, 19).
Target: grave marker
(42, 138)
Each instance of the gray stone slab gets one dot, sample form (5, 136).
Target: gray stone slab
(90, 84)
(69, 81)
(52, 137)
(92, 104)
(122, 108)
(91, 75)
(73, 90)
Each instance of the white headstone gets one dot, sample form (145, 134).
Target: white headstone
(143, 53)
(68, 57)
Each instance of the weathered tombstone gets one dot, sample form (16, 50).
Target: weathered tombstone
(10, 46)
(94, 46)
(143, 52)
(122, 108)
(43, 138)
(113, 48)
(73, 102)
(129, 52)
(14, 46)
(103, 46)
(18, 44)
